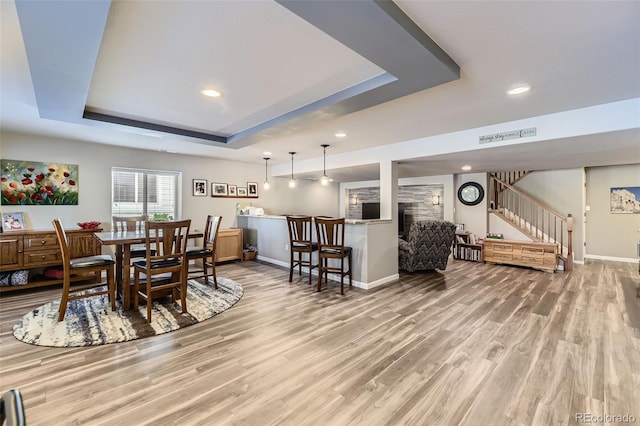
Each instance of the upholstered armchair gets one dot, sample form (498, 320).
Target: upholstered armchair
(427, 247)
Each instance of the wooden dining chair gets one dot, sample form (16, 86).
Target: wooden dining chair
(83, 265)
(330, 234)
(131, 223)
(300, 243)
(165, 265)
(206, 253)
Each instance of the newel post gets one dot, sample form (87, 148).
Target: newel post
(569, 263)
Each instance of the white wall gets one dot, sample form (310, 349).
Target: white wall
(96, 160)
(611, 235)
(308, 198)
(560, 190)
(475, 218)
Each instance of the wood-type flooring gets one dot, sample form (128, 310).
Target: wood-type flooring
(475, 345)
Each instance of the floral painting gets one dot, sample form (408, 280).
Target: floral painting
(31, 183)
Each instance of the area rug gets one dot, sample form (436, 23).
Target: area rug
(91, 321)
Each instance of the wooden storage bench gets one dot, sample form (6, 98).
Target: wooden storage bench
(532, 254)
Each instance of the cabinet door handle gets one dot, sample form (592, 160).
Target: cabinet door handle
(43, 257)
(43, 242)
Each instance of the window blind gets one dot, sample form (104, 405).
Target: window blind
(148, 192)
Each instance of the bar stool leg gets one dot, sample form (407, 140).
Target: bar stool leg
(291, 265)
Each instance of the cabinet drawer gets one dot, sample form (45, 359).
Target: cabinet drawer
(505, 248)
(502, 256)
(41, 242)
(42, 258)
(529, 250)
(532, 260)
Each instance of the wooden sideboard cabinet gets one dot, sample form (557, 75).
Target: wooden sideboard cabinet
(229, 245)
(522, 253)
(37, 249)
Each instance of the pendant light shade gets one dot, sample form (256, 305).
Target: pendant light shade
(292, 181)
(266, 184)
(324, 180)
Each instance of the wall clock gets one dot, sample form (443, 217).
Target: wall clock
(470, 193)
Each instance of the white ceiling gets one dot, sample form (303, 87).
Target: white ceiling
(154, 58)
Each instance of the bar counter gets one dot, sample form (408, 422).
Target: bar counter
(374, 243)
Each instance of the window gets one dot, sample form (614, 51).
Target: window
(150, 192)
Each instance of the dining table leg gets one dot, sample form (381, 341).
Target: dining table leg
(126, 279)
(119, 282)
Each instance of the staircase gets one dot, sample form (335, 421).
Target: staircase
(530, 216)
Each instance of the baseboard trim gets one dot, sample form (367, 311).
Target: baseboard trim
(274, 261)
(378, 283)
(610, 258)
(335, 277)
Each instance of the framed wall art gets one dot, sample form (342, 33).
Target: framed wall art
(233, 190)
(252, 189)
(219, 189)
(199, 188)
(242, 192)
(625, 199)
(35, 183)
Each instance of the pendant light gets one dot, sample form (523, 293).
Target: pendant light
(292, 182)
(266, 184)
(324, 180)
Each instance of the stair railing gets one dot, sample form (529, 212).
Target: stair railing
(533, 218)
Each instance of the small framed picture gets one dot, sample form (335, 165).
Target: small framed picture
(233, 190)
(242, 192)
(252, 189)
(12, 222)
(199, 188)
(219, 190)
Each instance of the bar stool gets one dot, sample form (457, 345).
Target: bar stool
(330, 234)
(300, 242)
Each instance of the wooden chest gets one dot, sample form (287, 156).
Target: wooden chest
(536, 255)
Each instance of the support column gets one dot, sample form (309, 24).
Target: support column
(389, 190)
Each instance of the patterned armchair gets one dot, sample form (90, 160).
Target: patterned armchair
(428, 246)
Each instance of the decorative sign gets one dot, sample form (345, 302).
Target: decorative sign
(516, 134)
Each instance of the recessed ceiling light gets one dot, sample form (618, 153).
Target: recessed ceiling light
(466, 167)
(266, 153)
(519, 90)
(341, 135)
(211, 93)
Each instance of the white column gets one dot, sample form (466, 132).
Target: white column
(383, 246)
(389, 190)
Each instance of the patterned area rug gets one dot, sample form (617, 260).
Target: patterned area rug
(90, 321)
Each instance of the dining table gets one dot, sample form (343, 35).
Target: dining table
(123, 241)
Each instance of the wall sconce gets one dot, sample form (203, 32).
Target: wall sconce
(354, 199)
(266, 184)
(292, 181)
(435, 200)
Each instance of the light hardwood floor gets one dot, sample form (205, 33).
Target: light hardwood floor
(476, 345)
